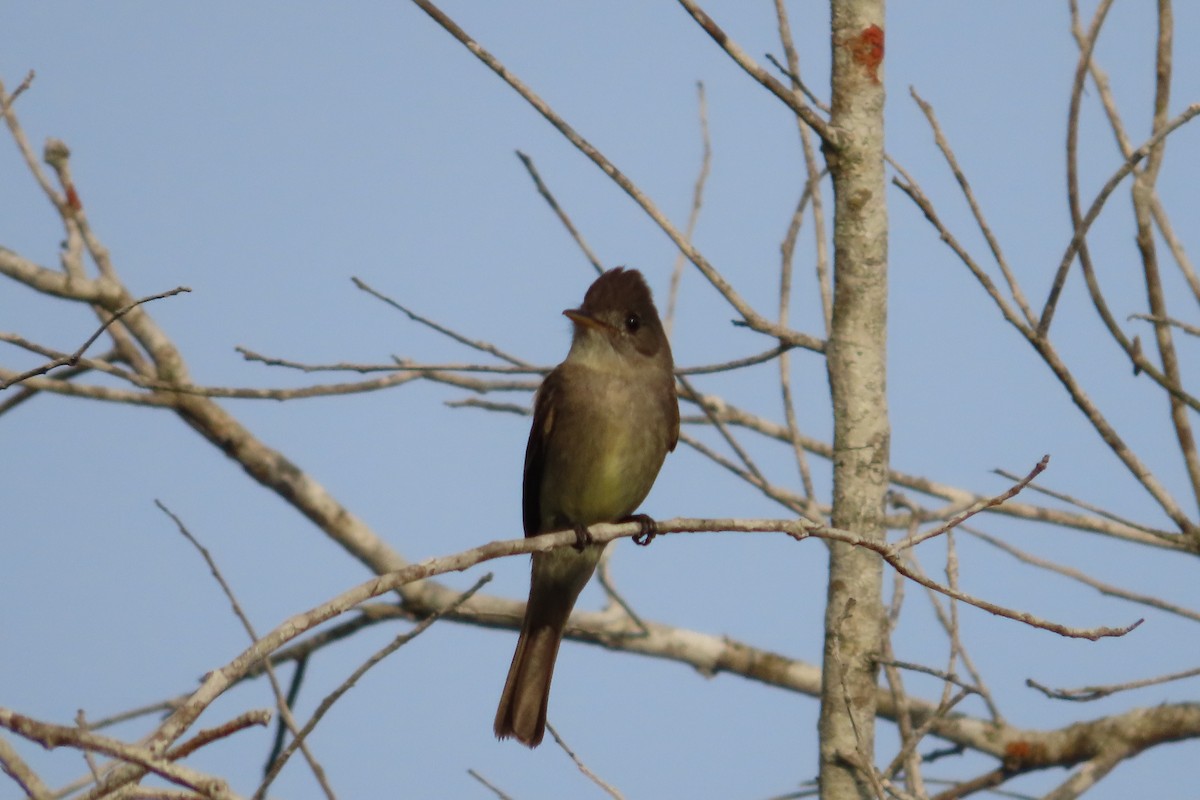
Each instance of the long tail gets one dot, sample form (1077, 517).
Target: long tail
(522, 711)
(556, 581)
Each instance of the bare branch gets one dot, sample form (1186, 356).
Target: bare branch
(1086, 506)
(1081, 71)
(208, 735)
(141, 759)
(488, 784)
(281, 702)
(1041, 343)
(750, 317)
(327, 702)
(993, 244)
(607, 787)
(729, 366)
(16, 768)
(544, 191)
(793, 76)
(1082, 577)
(959, 498)
(1088, 773)
(27, 153)
(1077, 245)
(475, 344)
(1087, 693)
(73, 359)
(755, 70)
(1191, 330)
(949, 622)
(959, 519)
(694, 215)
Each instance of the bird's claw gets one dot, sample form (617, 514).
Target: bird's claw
(582, 538)
(649, 529)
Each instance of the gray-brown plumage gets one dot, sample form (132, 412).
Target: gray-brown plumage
(603, 422)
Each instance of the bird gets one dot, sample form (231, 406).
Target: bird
(603, 422)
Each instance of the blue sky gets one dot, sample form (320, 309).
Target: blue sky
(263, 154)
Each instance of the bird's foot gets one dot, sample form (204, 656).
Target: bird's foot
(582, 538)
(647, 533)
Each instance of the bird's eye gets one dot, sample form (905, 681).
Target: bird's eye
(632, 322)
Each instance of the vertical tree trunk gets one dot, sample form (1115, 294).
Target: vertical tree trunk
(858, 380)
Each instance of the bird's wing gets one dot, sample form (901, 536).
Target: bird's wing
(673, 423)
(535, 451)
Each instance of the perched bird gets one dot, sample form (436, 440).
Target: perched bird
(603, 422)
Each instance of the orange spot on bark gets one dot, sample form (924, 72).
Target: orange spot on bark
(1018, 750)
(867, 49)
(73, 198)
(1019, 754)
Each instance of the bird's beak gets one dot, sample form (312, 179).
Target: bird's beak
(581, 317)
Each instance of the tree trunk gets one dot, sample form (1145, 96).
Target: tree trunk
(858, 380)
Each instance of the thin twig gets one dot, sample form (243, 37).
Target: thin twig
(1143, 196)
(490, 405)
(50, 735)
(908, 760)
(958, 519)
(73, 359)
(987, 780)
(501, 795)
(909, 185)
(724, 431)
(750, 317)
(15, 767)
(1041, 342)
(787, 249)
(1082, 577)
(605, 578)
(947, 677)
(242, 721)
(908, 749)
(694, 215)
(794, 77)
(819, 125)
(1191, 330)
(27, 393)
(788, 499)
(281, 702)
(544, 191)
(993, 244)
(165, 394)
(90, 758)
(476, 344)
(608, 788)
(402, 364)
(1104, 89)
(737, 363)
(18, 134)
(1087, 693)
(812, 186)
(293, 694)
(1075, 501)
(328, 701)
(1081, 71)
(1077, 247)
(7, 102)
(959, 498)
(1089, 772)
(948, 621)
(1176, 247)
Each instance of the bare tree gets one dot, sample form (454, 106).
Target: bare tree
(130, 359)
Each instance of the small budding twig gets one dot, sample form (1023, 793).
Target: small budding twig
(958, 519)
(73, 359)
